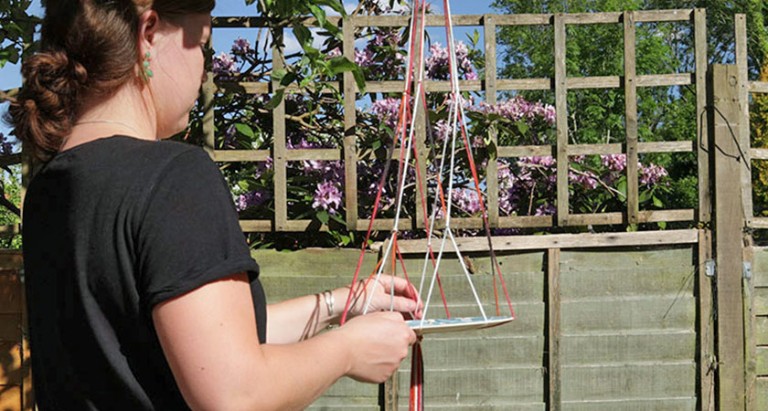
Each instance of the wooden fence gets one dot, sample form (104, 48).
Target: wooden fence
(561, 84)
(665, 320)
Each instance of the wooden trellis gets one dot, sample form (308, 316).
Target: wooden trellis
(561, 84)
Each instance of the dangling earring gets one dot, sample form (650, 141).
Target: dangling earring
(146, 72)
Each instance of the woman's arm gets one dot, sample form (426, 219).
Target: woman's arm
(300, 318)
(210, 340)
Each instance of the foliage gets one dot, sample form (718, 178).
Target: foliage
(314, 120)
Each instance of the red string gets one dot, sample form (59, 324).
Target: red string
(416, 400)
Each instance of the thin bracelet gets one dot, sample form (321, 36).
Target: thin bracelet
(329, 300)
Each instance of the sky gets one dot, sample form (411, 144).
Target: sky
(222, 39)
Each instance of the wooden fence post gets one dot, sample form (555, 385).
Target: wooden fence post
(728, 160)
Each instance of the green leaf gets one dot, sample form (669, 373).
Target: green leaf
(340, 64)
(657, 202)
(322, 216)
(276, 99)
(245, 130)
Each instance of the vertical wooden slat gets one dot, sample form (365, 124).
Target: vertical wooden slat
(553, 329)
(561, 121)
(206, 100)
(630, 114)
(740, 21)
(702, 133)
(705, 324)
(725, 116)
(350, 126)
(420, 136)
(750, 346)
(279, 147)
(489, 28)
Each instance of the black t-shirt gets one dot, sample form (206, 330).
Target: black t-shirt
(111, 228)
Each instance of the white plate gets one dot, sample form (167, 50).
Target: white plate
(445, 325)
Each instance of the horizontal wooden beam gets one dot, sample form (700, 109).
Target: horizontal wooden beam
(647, 16)
(524, 84)
(758, 86)
(758, 153)
(563, 241)
(592, 18)
(234, 156)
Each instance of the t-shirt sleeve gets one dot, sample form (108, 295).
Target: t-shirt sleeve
(189, 234)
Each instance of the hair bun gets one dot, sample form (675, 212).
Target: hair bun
(54, 72)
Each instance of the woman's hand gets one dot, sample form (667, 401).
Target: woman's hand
(388, 293)
(378, 343)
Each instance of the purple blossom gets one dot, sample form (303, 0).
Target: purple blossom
(467, 200)
(336, 52)
(652, 174)
(586, 179)
(546, 209)
(251, 199)
(224, 65)
(615, 162)
(327, 197)
(520, 109)
(388, 111)
(364, 57)
(437, 64)
(241, 46)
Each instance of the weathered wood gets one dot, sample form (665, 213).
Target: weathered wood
(234, 156)
(208, 104)
(761, 330)
(760, 298)
(524, 19)
(631, 281)
(554, 334)
(762, 362)
(630, 117)
(740, 22)
(524, 151)
(592, 18)
(760, 266)
(645, 16)
(617, 382)
(601, 259)
(526, 221)
(762, 394)
(350, 136)
(594, 149)
(524, 84)
(758, 153)
(758, 86)
(595, 219)
(664, 80)
(627, 313)
(666, 147)
(702, 131)
(629, 347)
(634, 404)
(729, 220)
(279, 148)
(521, 384)
(705, 322)
(586, 240)
(492, 169)
(653, 216)
(561, 121)
(576, 83)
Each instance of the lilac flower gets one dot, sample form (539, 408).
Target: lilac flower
(467, 200)
(615, 162)
(364, 57)
(327, 197)
(388, 111)
(652, 174)
(437, 63)
(336, 52)
(586, 179)
(442, 130)
(241, 46)
(229, 136)
(224, 65)
(546, 209)
(251, 199)
(520, 109)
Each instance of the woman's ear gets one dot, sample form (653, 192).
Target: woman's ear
(149, 23)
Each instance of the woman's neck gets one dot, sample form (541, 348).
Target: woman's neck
(126, 112)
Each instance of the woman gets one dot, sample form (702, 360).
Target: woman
(142, 293)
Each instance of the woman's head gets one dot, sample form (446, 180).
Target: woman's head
(92, 48)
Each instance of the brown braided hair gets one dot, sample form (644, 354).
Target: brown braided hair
(88, 48)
